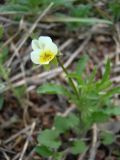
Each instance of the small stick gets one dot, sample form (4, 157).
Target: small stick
(81, 156)
(6, 156)
(17, 134)
(27, 141)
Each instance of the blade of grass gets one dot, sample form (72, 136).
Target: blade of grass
(87, 21)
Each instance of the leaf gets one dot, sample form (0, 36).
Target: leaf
(49, 138)
(111, 92)
(63, 124)
(77, 77)
(58, 156)
(107, 138)
(78, 147)
(106, 75)
(103, 86)
(92, 76)
(13, 8)
(113, 111)
(81, 64)
(1, 102)
(105, 78)
(99, 117)
(85, 21)
(43, 151)
(73, 120)
(53, 89)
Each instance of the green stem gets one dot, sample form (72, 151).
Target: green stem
(69, 79)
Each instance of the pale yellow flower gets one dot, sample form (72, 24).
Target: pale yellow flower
(44, 50)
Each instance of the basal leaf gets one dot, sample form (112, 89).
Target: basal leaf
(49, 138)
(43, 151)
(63, 124)
(78, 147)
(107, 138)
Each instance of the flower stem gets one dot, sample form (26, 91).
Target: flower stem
(69, 79)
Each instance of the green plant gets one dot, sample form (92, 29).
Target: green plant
(93, 100)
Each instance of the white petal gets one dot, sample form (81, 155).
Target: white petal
(52, 47)
(35, 55)
(43, 41)
(35, 44)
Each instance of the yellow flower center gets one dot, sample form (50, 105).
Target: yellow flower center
(46, 56)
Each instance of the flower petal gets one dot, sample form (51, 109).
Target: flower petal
(43, 41)
(35, 55)
(35, 44)
(52, 47)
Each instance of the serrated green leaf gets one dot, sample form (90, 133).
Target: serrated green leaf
(53, 89)
(99, 117)
(107, 138)
(1, 102)
(63, 124)
(49, 138)
(78, 147)
(43, 151)
(73, 120)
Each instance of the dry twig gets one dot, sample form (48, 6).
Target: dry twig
(27, 141)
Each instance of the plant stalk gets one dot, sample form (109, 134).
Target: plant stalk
(69, 79)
